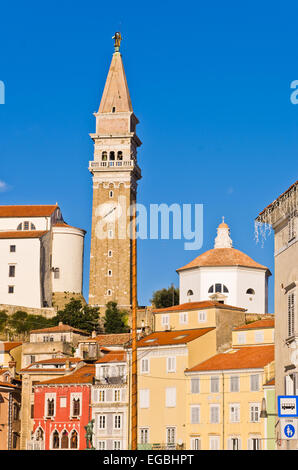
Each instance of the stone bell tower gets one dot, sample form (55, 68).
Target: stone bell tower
(115, 173)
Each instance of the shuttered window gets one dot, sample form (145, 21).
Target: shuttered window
(195, 414)
(291, 313)
(170, 397)
(195, 385)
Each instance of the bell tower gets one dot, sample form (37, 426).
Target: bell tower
(115, 173)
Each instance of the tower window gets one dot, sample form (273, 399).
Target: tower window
(112, 155)
(109, 292)
(12, 270)
(110, 234)
(113, 109)
(110, 273)
(110, 253)
(119, 156)
(104, 156)
(250, 291)
(111, 193)
(218, 288)
(57, 273)
(190, 292)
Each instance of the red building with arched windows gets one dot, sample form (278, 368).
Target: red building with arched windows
(61, 410)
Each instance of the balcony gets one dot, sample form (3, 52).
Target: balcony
(35, 445)
(120, 379)
(114, 164)
(159, 446)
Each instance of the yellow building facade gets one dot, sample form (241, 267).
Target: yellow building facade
(225, 392)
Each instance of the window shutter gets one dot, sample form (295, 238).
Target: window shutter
(144, 398)
(171, 397)
(195, 414)
(195, 385)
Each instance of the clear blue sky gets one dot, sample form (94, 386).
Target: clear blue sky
(210, 84)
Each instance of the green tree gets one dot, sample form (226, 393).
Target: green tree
(115, 320)
(165, 297)
(17, 322)
(3, 320)
(79, 316)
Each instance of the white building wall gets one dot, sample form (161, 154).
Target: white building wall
(26, 282)
(236, 279)
(67, 256)
(252, 279)
(11, 223)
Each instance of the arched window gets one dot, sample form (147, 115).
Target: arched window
(111, 193)
(112, 155)
(51, 406)
(104, 156)
(190, 292)
(76, 407)
(218, 288)
(110, 273)
(39, 434)
(250, 291)
(109, 292)
(20, 226)
(32, 226)
(64, 440)
(74, 440)
(119, 156)
(113, 109)
(55, 440)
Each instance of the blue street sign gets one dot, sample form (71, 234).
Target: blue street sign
(289, 431)
(287, 406)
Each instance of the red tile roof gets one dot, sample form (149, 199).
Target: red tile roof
(9, 385)
(164, 338)
(197, 306)
(6, 346)
(110, 339)
(83, 375)
(63, 224)
(270, 383)
(113, 356)
(60, 329)
(55, 360)
(27, 211)
(250, 357)
(256, 325)
(223, 257)
(23, 234)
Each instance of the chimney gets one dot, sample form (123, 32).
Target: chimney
(60, 323)
(12, 368)
(93, 334)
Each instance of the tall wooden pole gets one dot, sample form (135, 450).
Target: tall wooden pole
(134, 367)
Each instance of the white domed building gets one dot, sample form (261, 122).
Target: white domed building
(227, 275)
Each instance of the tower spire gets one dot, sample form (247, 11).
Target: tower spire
(116, 98)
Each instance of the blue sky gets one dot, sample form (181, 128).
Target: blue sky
(210, 84)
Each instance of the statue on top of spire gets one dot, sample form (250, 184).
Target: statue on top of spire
(117, 41)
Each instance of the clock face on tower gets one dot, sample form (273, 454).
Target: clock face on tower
(109, 212)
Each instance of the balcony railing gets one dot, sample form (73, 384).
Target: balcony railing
(161, 446)
(35, 445)
(107, 164)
